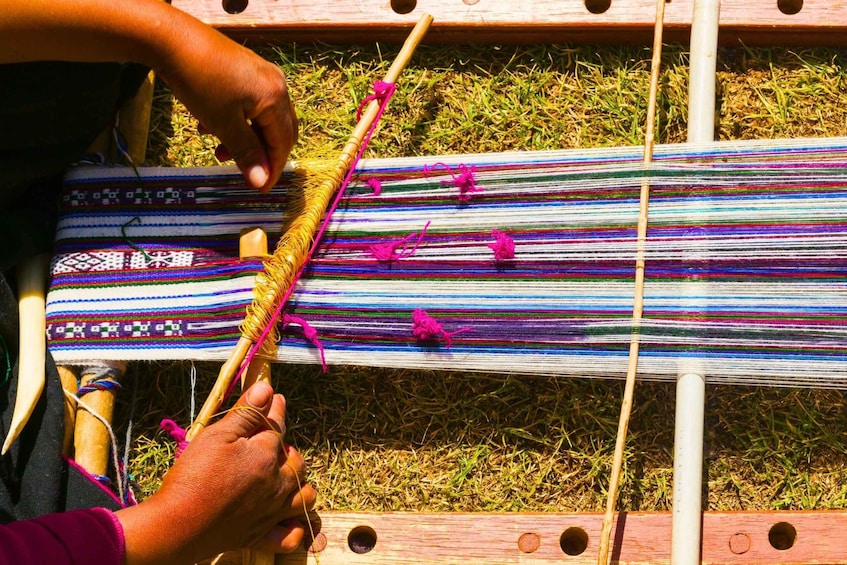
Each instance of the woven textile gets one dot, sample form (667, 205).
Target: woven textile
(745, 278)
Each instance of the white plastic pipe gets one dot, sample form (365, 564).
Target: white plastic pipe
(702, 71)
(686, 533)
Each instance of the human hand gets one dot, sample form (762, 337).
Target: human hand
(236, 94)
(239, 97)
(236, 485)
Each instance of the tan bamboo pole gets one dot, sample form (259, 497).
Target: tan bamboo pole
(348, 154)
(638, 302)
(70, 383)
(92, 437)
(32, 286)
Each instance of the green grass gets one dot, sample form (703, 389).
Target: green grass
(381, 439)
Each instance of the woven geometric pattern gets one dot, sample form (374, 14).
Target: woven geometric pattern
(745, 277)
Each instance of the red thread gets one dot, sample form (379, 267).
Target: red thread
(387, 251)
(504, 247)
(177, 433)
(427, 328)
(310, 333)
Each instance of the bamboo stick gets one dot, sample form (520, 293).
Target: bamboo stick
(638, 302)
(70, 383)
(91, 436)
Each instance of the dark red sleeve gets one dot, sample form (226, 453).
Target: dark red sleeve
(76, 537)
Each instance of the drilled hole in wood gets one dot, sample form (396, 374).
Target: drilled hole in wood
(574, 541)
(234, 6)
(403, 6)
(529, 542)
(362, 539)
(782, 536)
(597, 6)
(789, 7)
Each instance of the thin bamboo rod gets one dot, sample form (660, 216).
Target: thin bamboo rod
(638, 302)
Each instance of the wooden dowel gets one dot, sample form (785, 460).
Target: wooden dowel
(254, 243)
(239, 352)
(638, 302)
(91, 437)
(70, 383)
(32, 286)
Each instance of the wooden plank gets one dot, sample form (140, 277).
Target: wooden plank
(506, 538)
(772, 22)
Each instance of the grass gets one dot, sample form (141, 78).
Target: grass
(382, 439)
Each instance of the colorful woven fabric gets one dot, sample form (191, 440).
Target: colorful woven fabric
(745, 277)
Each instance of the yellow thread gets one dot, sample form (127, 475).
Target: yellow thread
(311, 189)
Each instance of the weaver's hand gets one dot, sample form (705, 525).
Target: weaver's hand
(236, 485)
(238, 96)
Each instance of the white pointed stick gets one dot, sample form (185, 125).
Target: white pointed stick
(32, 284)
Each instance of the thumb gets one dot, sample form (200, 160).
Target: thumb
(250, 412)
(246, 146)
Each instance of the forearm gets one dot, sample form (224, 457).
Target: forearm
(140, 31)
(156, 533)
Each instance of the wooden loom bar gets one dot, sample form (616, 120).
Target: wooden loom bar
(506, 538)
(762, 22)
(254, 243)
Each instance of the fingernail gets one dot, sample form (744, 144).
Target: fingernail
(257, 175)
(257, 395)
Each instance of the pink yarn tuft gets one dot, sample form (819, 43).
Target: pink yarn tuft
(375, 185)
(427, 328)
(177, 433)
(464, 181)
(504, 247)
(310, 333)
(381, 91)
(387, 251)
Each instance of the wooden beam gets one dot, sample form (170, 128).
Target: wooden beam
(507, 538)
(762, 22)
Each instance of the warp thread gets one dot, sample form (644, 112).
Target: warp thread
(427, 328)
